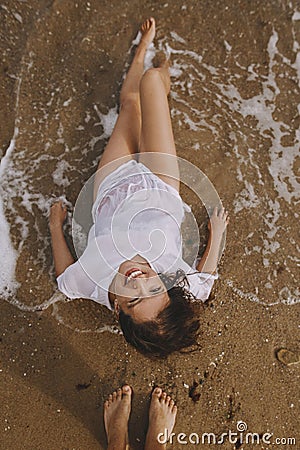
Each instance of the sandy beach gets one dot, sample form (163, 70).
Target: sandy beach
(235, 106)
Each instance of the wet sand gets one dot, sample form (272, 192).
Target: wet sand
(235, 109)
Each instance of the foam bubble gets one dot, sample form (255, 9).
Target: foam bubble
(8, 283)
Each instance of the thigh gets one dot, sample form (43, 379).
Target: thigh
(157, 149)
(123, 142)
(164, 165)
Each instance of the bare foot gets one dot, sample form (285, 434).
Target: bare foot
(148, 31)
(116, 414)
(162, 416)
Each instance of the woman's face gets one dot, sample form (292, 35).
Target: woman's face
(138, 291)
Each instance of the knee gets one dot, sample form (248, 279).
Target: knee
(130, 101)
(151, 79)
(151, 74)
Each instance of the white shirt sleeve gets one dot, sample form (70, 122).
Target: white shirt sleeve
(75, 283)
(200, 283)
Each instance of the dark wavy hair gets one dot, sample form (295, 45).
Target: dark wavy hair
(174, 328)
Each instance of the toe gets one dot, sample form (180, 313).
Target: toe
(157, 392)
(126, 390)
(119, 393)
(114, 396)
(163, 396)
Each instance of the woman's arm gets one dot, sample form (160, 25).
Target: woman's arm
(217, 225)
(61, 253)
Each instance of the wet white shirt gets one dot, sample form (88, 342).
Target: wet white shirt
(135, 213)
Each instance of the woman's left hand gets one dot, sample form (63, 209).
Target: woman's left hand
(218, 222)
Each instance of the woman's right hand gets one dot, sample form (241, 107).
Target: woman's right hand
(58, 214)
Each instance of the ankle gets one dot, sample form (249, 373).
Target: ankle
(140, 52)
(144, 43)
(116, 443)
(151, 443)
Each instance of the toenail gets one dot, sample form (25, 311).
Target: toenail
(126, 388)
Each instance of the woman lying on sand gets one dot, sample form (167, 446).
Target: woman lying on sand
(150, 290)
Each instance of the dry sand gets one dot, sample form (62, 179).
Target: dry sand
(56, 367)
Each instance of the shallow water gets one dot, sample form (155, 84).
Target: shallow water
(235, 104)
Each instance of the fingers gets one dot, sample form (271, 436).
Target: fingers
(225, 215)
(58, 204)
(58, 208)
(222, 213)
(58, 213)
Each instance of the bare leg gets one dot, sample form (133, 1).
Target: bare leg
(116, 414)
(125, 137)
(157, 134)
(162, 415)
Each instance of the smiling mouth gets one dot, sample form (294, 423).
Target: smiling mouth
(132, 273)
